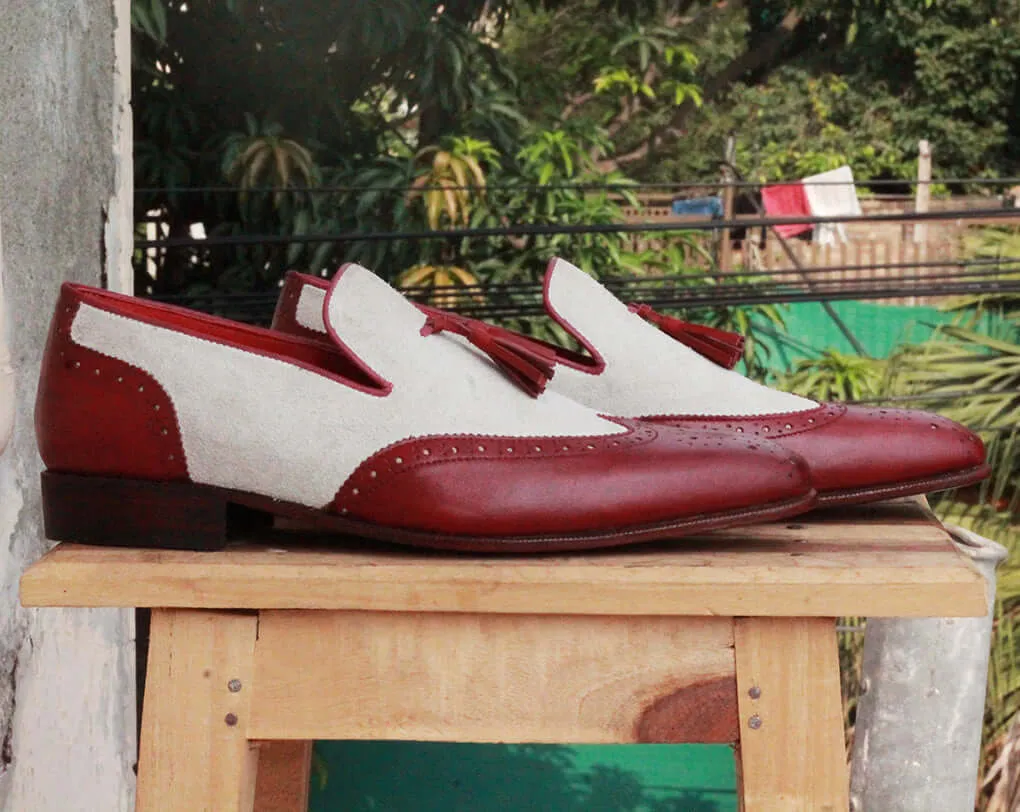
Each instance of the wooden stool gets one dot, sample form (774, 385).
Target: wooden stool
(728, 637)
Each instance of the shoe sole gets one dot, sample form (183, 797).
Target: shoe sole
(875, 493)
(184, 516)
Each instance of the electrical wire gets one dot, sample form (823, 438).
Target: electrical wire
(534, 229)
(527, 187)
(705, 302)
(645, 287)
(681, 296)
(616, 283)
(532, 305)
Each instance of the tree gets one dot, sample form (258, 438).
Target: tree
(323, 88)
(348, 97)
(828, 78)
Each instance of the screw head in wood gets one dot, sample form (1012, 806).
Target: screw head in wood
(755, 692)
(231, 719)
(234, 686)
(754, 722)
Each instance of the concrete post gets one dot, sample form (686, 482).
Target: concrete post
(922, 194)
(66, 677)
(917, 741)
(6, 370)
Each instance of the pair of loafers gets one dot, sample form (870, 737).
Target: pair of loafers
(364, 414)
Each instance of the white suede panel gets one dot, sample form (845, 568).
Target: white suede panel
(266, 426)
(309, 308)
(310, 313)
(648, 372)
(384, 329)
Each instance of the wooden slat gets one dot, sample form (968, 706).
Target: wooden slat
(284, 776)
(892, 560)
(192, 756)
(493, 678)
(792, 752)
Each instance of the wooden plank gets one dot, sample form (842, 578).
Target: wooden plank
(195, 752)
(793, 757)
(284, 777)
(841, 580)
(892, 559)
(871, 581)
(493, 678)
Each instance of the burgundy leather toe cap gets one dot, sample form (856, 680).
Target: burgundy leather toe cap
(491, 486)
(870, 446)
(851, 447)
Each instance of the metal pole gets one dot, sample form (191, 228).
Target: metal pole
(917, 740)
(830, 311)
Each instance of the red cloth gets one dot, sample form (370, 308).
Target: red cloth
(787, 200)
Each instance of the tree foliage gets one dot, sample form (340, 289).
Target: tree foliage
(340, 107)
(803, 85)
(296, 94)
(835, 376)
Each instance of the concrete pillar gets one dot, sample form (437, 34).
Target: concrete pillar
(917, 741)
(66, 676)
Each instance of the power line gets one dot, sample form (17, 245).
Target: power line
(587, 187)
(678, 280)
(992, 277)
(781, 297)
(642, 288)
(687, 299)
(616, 283)
(689, 284)
(535, 229)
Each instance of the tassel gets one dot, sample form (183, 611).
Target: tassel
(528, 365)
(719, 346)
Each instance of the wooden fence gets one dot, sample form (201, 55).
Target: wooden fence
(913, 251)
(901, 262)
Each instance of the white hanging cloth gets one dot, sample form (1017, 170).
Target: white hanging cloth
(832, 194)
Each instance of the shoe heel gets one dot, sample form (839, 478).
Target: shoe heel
(133, 513)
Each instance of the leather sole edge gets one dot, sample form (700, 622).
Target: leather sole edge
(913, 487)
(181, 515)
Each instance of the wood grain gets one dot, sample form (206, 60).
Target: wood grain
(702, 712)
(191, 757)
(284, 778)
(793, 757)
(492, 678)
(888, 560)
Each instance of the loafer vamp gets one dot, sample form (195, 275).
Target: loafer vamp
(499, 486)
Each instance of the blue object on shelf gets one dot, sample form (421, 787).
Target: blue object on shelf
(704, 206)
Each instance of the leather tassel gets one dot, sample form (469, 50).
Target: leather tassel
(719, 346)
(528, 365)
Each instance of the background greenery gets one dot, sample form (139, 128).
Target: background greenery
(371, 93)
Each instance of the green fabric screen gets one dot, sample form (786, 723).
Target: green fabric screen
(414, 777)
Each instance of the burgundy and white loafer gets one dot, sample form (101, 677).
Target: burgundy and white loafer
(164, 427)
(662, 371)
